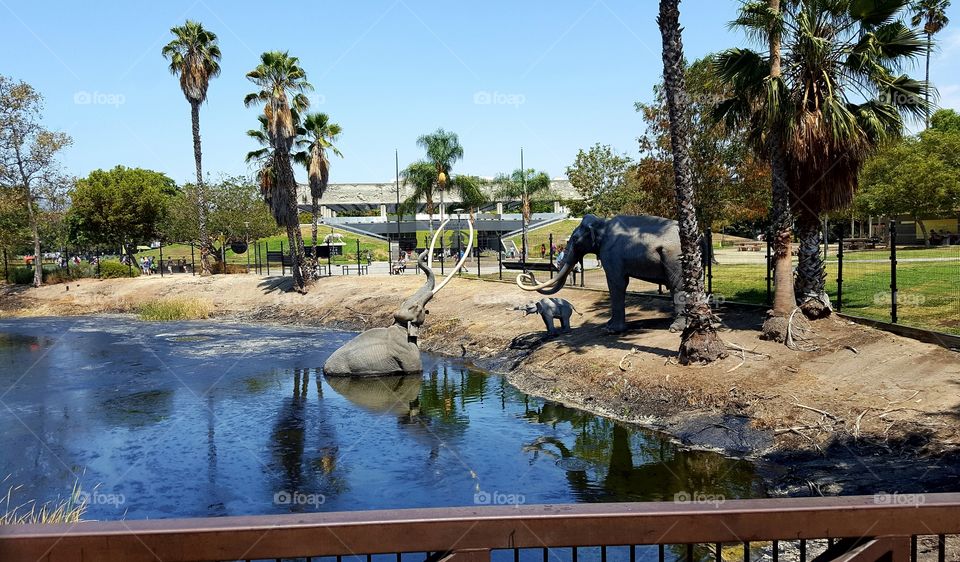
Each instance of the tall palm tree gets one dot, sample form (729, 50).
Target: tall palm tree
(317, 137)
(470, 191)
(932, 15)
(282, 84)
(840, 97)
(195, 57)
(699, 341)
(526, 185)
(443, 151)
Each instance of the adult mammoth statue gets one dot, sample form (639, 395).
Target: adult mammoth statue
(640, 247)
(394, 349)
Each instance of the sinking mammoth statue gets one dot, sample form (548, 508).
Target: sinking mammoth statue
(639, 247)
(394, 349)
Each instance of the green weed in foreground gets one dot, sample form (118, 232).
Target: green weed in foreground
(167, 310)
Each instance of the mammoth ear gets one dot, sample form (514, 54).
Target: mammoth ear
(594, 225)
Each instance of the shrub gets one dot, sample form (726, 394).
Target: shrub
(174, 309)
(21, 275)
(74, 272)
(115, 270)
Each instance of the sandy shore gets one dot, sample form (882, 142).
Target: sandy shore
(866, 411)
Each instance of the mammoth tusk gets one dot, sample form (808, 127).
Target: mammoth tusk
(433, 243)
(529, 278)
(459, 263)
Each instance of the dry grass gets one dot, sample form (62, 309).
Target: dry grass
(66, 510)
(167, 310)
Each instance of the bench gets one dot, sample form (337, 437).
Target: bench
(282, 257)
(360, 269)
(748, 247)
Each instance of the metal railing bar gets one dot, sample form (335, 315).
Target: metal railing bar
(746, 552)
(718, 552)
(776, 551)
(913, 547)
(941, 548)
(803, 550)
(661, 552)
(689, 552)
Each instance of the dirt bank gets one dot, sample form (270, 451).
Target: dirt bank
(866, 411)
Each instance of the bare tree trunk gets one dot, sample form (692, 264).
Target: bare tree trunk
(35, 233)
(699, 342)
(923, 231)
(201, 192)
(784, 300)
(926, 94)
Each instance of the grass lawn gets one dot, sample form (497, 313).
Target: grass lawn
(928, 292)
(561, 230)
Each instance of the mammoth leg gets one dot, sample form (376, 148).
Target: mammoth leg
(674, 280)
(618, 303)
(548, 322)
(565, 319)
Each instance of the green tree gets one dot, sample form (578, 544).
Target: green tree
(282, 84)
(599, 175)
(28, 156)
(422, 177)
(470, 191)
(699, 342)
(919, 177)
(195, 57)
(835, 54)
(946, 120)
(528, 186)
(931, 15)
(236, 212)
(443, 151)
(119, 207)
(317, 137)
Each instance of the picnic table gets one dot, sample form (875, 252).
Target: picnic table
(749, 246)
(860, 243)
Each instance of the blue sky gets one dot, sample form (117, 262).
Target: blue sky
(551, 76)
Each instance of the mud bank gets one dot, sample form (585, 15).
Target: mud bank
(866, 411)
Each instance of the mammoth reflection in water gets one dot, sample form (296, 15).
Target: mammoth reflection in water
(397, 394)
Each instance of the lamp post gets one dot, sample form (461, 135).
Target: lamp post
(459, 236)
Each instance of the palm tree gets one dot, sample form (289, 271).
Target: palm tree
(443, 150)
(317, 136)
(699, 341)
(526, 185)
(195, 57)
(422, 177)
(932, 15)
(840, 97)
(282, 84)
(470, 191)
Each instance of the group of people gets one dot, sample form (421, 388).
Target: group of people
(147, 265)
(944, 238)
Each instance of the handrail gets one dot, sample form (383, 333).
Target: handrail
(483, 528)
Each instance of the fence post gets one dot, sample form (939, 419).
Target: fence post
(99, 259)
(500, 254)
(161, 258)
(248, 258)
(329, 259)
(769, 264)
(551, 255)
(442, 256)
(709, 261)
(840, 270)
(477, 249)
(6, 273)
(358, 257)
(583, 272)
(266, 251)
(893, 271)
(193, 263)
(283, 266)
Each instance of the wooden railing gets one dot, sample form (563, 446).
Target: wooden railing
(858, 528)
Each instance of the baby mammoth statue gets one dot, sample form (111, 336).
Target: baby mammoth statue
(550, 310)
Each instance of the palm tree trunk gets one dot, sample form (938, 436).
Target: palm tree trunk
(926, 94)
(287, 183)
(205, 253)
(811, 274)
(781, 218)
(699, 341)
(315, 208)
